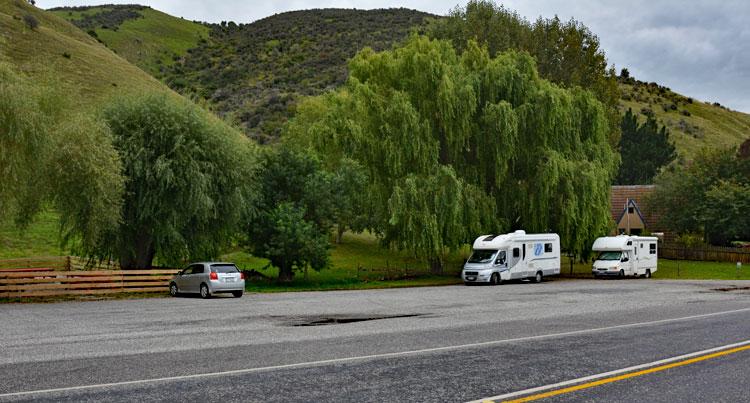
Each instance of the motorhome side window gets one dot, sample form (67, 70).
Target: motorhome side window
(652, 249)
(516, 252)
(500, 258)
(524, 251)
(547, 248)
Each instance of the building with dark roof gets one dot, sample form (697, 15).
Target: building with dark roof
(629, 211)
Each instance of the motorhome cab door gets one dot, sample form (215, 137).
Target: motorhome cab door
(516, 271)
(627, 262)
(500, 260)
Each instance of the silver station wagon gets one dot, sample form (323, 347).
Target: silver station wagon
(208, 278)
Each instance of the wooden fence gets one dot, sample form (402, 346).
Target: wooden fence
(389, 273)
(69, 275)
(709, 253)
(57, 263)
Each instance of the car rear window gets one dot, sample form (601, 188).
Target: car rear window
(224, 268)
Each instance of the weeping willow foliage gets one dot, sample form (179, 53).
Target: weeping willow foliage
(460, 145)
(48, 158)
(25, 144)
(186, 190)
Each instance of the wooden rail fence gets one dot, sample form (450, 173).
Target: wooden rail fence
(711, 253)
(70, 275)
(389, 272)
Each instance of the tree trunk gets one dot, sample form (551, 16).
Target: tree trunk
(436, 265)
(141, 257)
(285, 276)
(340, 233)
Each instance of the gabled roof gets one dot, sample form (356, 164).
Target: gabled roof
(619, 197)
(631, 203)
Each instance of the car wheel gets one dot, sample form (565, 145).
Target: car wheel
(237, 294)
(204, 291)
(173, 291)
(622, 274)
(495, 279)
(648, 273)
(538, 277)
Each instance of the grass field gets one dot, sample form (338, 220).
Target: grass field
(692, 125)
(356, 251)
(150, 41)
(39, 239)
(58, 51)
(676, 269)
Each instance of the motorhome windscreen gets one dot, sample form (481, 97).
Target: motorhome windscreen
(609, 256)
(482, 256)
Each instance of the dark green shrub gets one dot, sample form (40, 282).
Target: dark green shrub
(30, 21)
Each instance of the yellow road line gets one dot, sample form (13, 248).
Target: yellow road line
(629, 375)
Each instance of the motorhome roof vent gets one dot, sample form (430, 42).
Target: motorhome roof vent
(489, 238)
(520, 232)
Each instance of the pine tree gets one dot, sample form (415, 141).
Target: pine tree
(644, 149)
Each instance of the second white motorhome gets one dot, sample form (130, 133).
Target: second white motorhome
(517, 255)
(625, 255)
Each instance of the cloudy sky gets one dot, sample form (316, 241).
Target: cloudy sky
(698, 48)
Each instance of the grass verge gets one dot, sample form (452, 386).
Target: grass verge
(674, 270)
(357, 263)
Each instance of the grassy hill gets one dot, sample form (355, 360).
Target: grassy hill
(255, 73)
(252, 73)
(57, 50)
(693, 124)
(148, 38)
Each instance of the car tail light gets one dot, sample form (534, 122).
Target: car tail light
(214, 276)
(242, 276)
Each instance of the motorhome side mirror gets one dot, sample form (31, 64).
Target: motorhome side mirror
(624, 259)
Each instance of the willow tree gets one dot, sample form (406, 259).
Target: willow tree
(567, 52)
(459, 145)
(187, 181)
(49, 159)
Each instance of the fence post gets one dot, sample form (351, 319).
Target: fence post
(68, 263)
(570, 259)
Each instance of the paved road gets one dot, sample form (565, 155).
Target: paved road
(428, 344)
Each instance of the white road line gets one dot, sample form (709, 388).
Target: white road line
(589, 378)
(372, 356)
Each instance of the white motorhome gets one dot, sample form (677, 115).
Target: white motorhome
(517, 255)
(625, 255)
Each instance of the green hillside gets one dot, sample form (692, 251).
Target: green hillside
(57, 50)
(693, 124)
(251, 73)
(255, 73)
(148, 38)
